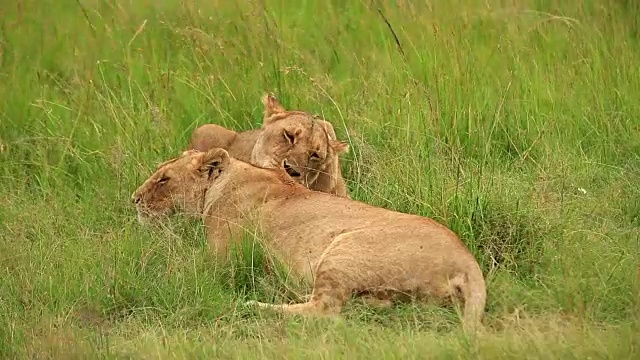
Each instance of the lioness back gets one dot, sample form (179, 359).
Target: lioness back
(318, 219)
(211, 136)
(238, 144)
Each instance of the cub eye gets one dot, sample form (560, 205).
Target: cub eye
(163, 180)
(314, 155)
(290, 137)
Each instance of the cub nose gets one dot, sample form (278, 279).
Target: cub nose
(136, 198)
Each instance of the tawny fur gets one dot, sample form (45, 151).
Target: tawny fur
(342, 246)
(291, 136)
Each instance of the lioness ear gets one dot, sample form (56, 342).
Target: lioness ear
(339, 146)
(271, 106)
(213, 162)
(328, 128)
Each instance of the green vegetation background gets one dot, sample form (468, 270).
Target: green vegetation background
(516, 123)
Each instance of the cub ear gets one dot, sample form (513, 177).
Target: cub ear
(339, 146)
(213, 162)
(271, 106)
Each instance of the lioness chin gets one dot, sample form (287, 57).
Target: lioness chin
(344, 247)
(304, 145)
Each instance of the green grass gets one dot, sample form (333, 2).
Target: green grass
(516, 123)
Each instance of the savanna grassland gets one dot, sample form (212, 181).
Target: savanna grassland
(516, 123)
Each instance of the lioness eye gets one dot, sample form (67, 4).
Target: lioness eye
(289, 136)
(163, 180)
(314, 155)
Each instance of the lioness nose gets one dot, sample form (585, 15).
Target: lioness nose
(290, 170)
(136, 199)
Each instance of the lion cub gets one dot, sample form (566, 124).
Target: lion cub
(305, 146)
(342, 246)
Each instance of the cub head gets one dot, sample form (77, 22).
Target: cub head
(303, 144)
(179, 184)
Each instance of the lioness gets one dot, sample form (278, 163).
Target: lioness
(344, 247)
(305, 146)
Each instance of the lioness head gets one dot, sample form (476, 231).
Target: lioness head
(300, 142)
(179, 184)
